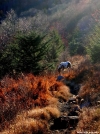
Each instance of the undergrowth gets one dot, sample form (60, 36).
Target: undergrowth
(28, 103)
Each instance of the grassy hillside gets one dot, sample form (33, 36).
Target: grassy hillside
(29, 103)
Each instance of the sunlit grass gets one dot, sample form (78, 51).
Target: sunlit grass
(30, 102)
(89, 121)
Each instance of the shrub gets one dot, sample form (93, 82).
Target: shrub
(76, 44)
(93, 49)
(31, 53)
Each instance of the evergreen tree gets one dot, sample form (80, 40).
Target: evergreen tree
(31, 53)
(25, 54)
(76, 44)
(93, 49)
(56, 47)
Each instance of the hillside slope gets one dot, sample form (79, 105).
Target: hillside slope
(32, 104)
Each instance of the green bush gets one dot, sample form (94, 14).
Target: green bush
(76, 44)
(56, 46)
(30, 53)
(93, 49)
(25, 54)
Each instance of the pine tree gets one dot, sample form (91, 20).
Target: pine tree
(56, 46)
(76, 43)
(31, 53)
(25, 54)
(93, 49)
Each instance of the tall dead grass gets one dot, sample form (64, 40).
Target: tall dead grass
(33, 121)
(28, 126)
(86, 74)
(91, 88)
(63, 93)
(28, 103)
(39, 95)
(89, 121)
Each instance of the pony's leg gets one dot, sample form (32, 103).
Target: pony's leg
(60, 70)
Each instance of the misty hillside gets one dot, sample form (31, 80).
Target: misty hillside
(24, 5)
(63, 16)
(57, 7)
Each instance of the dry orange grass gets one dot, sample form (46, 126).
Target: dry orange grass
(45, 113)
(63, 93)
(81, 68)
(29, 87)
(87, 75)
(28, 126)
(26, 93)
(91, 88)
(33, 121)
(53, 111)
(38, 97)
(77, 60)
(70, 75)
(89, 121)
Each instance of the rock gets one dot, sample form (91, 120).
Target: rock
(98, 103)
(74, 88)
(72, 99)
(73, 117)
(60, 123)
(65, 122)
(59, 78)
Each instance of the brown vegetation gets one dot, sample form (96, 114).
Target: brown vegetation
(33, 93)
(89, 121)
(29, 103)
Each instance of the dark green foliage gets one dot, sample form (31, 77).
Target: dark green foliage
(93, 49)
(24, 54)
(56, 47)
(76, 44)
(31, 53)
